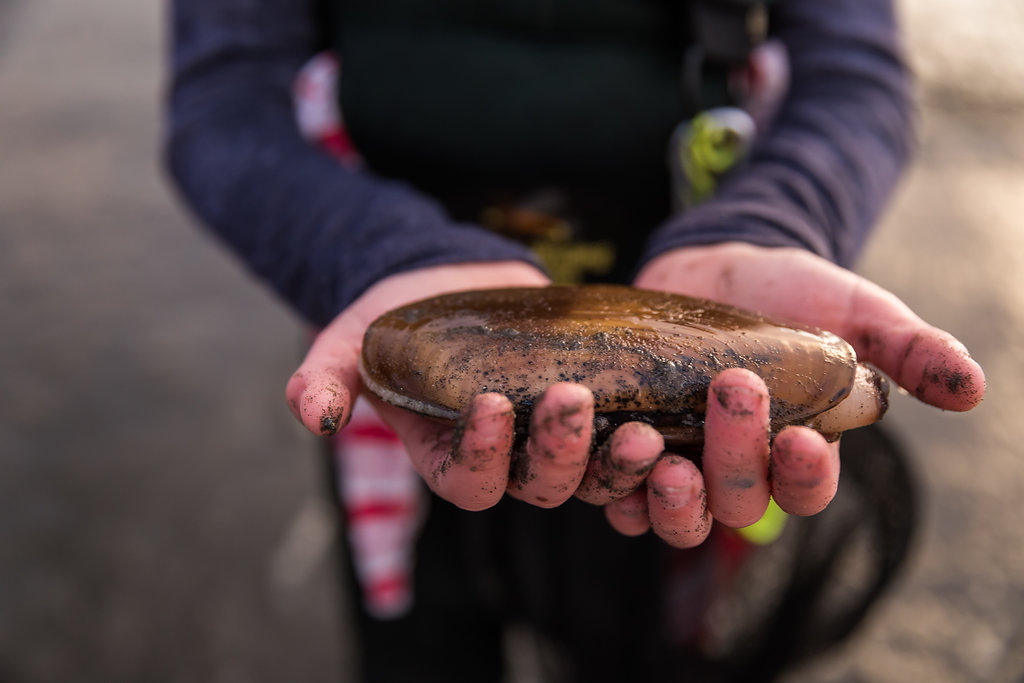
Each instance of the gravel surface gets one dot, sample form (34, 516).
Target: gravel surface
(161, 517)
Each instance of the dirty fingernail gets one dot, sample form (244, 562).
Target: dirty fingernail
(738, 402)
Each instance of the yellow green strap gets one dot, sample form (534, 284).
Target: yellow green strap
(767, 529)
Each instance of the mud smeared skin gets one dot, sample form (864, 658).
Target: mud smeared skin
(647, 356)
(328, 425)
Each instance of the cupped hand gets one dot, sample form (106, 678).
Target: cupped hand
(323, 389)
(473, 464)
(799, 468)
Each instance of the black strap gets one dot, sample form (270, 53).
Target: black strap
(724, 34)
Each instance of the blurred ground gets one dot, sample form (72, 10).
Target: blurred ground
(160, 514)
(153, 489)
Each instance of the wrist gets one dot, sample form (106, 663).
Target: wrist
(421, 283)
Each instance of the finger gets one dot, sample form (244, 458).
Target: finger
(676, 502)
(321, 391)
(621, 464)
(805, 471)
(550, 468)
(928, 362)
(320, 400)
(629, 515)
(468, 465)
(736, 447)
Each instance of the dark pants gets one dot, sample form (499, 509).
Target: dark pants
(612, 608)
(593, 596)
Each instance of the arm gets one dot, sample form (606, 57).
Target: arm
(319, 233)
(770, 241)
(818, 178)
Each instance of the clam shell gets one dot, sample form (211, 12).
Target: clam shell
(646, 355)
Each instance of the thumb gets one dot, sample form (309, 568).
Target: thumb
(322, 390)
(928, 362)
(797, 286)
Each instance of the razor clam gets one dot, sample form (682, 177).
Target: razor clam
(646, 355)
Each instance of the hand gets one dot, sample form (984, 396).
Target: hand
(799, 469)
(473, 464)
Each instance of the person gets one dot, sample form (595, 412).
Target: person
(465, 116)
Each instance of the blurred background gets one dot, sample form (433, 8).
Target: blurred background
(162, 518)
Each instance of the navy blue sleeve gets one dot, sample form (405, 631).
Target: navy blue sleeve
(820, 176)
(319, 233)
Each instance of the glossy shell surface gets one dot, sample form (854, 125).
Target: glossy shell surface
(645, 355)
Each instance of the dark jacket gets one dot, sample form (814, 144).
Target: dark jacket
(321, 233)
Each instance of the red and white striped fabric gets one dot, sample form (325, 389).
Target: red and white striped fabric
(384, 505)
(317, 110)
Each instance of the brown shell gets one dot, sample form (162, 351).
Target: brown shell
(645, 355)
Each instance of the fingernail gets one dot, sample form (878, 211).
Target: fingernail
(675, 483)
(669, 496)
(784, 449)
(737, 402)
(488, 407)
(632, 449)
(481, 414)
(672, 497)
(797, 466)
